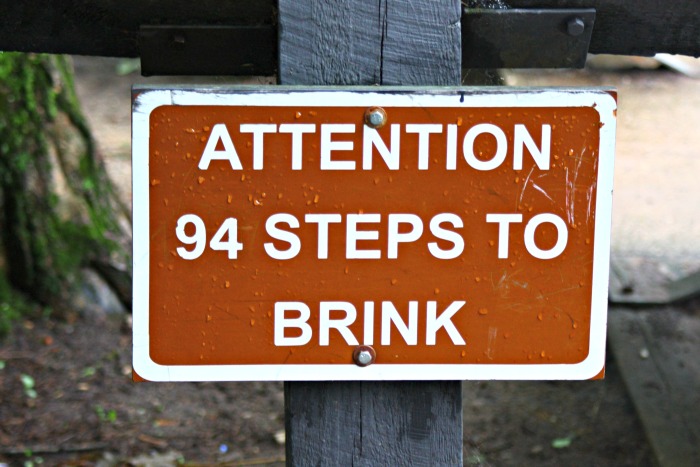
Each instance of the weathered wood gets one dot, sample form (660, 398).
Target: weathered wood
(389, 42)
(642, 280)
(189, 50)
(657, 355)
(111, 27)
(392, 42)
(374, 423)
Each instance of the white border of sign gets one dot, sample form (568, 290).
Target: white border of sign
(147, 99)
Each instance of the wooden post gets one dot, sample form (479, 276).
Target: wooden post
(388, 42)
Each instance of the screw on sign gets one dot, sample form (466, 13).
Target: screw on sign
(370, 235)
(364, 355)
(375, 117)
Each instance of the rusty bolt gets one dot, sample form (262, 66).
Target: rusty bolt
(364, 355)
(375, 117)
(575, 27)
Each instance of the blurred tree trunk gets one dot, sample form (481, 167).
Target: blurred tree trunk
(64, 233)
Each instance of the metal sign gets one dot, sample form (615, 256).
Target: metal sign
(329, 234)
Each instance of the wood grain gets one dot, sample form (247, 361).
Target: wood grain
(111, 28)
(354, 42)
(383, 42)
(374, 423)
(656, 351)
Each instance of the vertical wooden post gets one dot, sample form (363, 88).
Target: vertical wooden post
(355, 42)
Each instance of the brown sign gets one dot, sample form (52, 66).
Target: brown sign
(331, 234)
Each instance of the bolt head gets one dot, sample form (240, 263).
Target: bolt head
(364, 355)
(575, 27)
(178, 40)
(375, 117)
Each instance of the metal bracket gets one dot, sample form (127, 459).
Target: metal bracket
(526, 38)
(208, 50)
(648, 281)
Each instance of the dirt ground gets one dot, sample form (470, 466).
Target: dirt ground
(66, 396)
(88, 412)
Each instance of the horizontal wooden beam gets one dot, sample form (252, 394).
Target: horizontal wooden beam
(111, 28)
(636, 27)
(115, 27)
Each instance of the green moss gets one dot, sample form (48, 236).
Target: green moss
(12, 306)
(45, 252)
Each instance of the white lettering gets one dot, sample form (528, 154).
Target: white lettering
(562, 236)
(451, 153)
(325, 323)
(369, 323)
(323, 220)
(504, 221)
(328, 146)
(219, 132)
(371, 138)
(434, 323)
(283, 235)
(373, 144)
(297, 131)
(353, 236)
(501, 146)
(340, 316)
(282, 322)
(447, 235)
(395, 237)
(424, 131)
(198, 239)
(540, 155)
(258, 131)
(409, 331)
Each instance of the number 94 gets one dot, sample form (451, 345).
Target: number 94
(225, 238)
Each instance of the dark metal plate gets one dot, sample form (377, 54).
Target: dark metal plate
(525, 38)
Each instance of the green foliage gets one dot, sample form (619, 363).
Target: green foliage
(44, 251)
(8, 314)
(32, 461)
(12, 306)
(28, 99)
(106, 416)
(562, 443)
(127, 66)
(28, 384)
